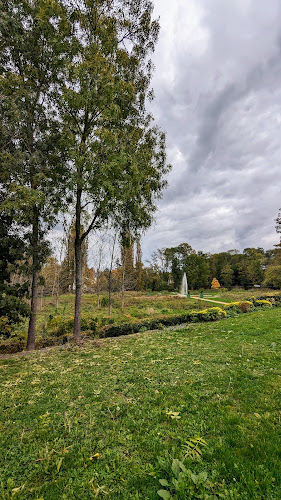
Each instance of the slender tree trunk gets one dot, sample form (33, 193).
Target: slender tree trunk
(109, 292)
(78, 269)
(98, 289)
(35, 281)
(57, 298)
(123, 283)
(41, 298)
(123, 291)
(110, 279)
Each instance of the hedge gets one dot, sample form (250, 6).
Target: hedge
(211, 314)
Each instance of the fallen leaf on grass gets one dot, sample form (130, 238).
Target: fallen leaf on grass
(97, 455)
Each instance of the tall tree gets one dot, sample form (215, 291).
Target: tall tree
(13, 307)
(34, 36)
(118, 157)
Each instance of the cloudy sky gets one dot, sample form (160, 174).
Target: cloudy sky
(217, 88)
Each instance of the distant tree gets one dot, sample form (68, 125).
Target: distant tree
(215, 284)
(227, 276)
(176, 258)
(197, 271)
(272, 277)
(278, 223)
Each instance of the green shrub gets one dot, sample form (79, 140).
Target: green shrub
(105, 302)
(275, 300)
(235, 308)
(5, 327)
(212, 314)
(58, 326)
(246, 306)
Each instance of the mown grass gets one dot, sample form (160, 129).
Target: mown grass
(83, 422)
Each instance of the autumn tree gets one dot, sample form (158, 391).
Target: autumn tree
(117, 156)
(215, 284)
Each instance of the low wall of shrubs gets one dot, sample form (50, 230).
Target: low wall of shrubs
(211, 314)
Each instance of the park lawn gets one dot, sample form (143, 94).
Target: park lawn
(112, 415)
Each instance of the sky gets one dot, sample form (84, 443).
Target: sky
(217, 85)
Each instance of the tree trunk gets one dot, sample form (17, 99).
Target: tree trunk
(78, 269)
(41, 298)
(123, 283)
(57, 299)
(98, 289)
(35, 281)
(110, 278)
(109, 292)
(123, 291)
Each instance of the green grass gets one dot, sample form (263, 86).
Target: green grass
(80, 421)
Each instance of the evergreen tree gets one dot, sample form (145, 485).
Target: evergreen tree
(13, 307)
(227, 276)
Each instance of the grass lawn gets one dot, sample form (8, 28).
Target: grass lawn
(108, 419)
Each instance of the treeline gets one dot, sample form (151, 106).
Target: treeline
(254, 266)
(75, 134)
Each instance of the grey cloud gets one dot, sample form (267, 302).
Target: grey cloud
(221, 114)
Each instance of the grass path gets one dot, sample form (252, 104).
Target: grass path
(208, 300)
(110, 417)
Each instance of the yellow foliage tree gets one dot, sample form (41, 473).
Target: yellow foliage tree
(215, 284)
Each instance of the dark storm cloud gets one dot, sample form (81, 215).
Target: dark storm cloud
(218, 97)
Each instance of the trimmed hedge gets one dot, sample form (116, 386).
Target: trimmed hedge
(211, 314)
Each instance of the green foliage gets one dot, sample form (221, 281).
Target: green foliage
(58, 326)
(193, 447)
(272, 276)
(183, 483)
(104, 302)
(13, 307)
